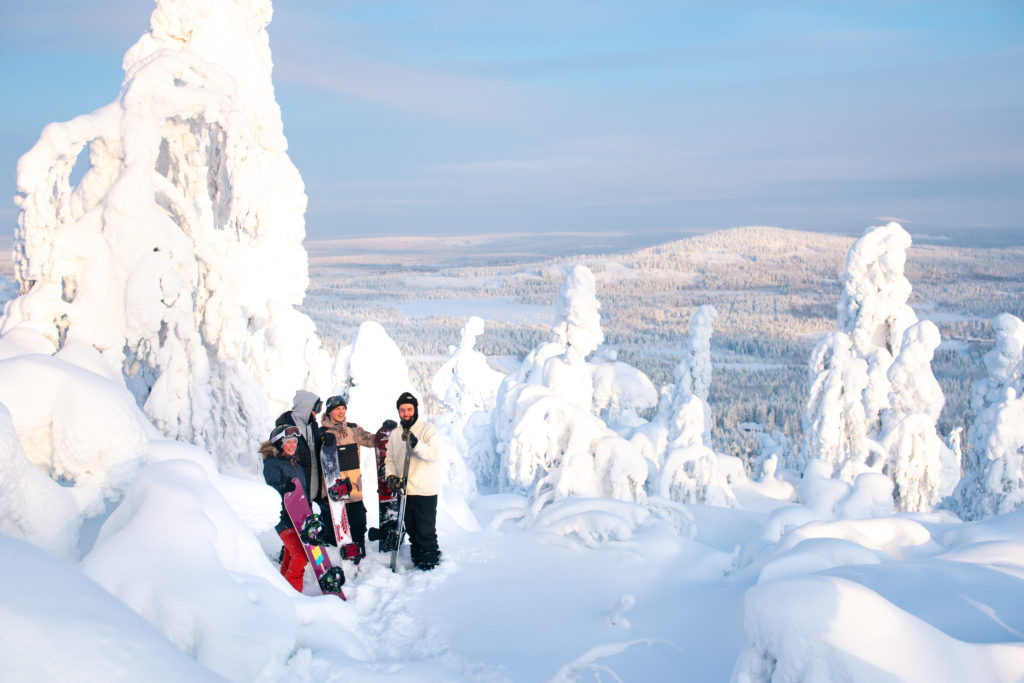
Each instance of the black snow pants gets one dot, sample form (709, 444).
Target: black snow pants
(421, 523)
(356, 513)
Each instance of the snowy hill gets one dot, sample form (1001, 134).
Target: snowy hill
(592, 526)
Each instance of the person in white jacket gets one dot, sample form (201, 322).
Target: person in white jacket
(411, 466)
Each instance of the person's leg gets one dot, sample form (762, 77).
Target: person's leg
(325, 517)
(409, 523)
(293, 564)
(421, 519)
(356, 512)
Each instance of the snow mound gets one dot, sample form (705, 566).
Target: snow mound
(825, 628)
(189, 551)
(60, 625)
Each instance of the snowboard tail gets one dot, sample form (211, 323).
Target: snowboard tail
(399, 532)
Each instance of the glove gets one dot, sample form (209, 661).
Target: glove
(389, 425)
(413, 440)
(289, 486)
(393, 483)
(327, 439)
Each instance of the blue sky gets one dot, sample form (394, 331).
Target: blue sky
(643, 116)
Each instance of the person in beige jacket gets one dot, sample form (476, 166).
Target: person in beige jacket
(411, 466)
(348, 437)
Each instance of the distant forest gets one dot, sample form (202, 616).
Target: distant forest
(775, 292)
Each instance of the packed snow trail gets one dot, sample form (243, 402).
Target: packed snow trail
(553, 605)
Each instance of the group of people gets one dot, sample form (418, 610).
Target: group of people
(292, 452)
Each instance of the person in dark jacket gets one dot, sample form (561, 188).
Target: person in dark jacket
(305, 407)
(348, 436)
(280, 468)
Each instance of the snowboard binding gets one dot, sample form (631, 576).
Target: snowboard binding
(313, 531)
(332, 580)
(340, 490)
(353, 552)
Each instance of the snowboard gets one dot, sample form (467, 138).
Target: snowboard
(329, 578)
(400, 531)
(338, 491)
(387, 499)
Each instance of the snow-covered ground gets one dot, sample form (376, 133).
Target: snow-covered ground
(910, 597)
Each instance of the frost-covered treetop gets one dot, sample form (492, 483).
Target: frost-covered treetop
(474, 328)
(693, 373)
(578, 325)
(873, 306)
(178, 256)
(197, 27)
(1002, 361)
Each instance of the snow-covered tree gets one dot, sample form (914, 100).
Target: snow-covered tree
(993, 481)
(578, 332)
(873, 309)
(1003, 362)
(921, 465)
(834, 424)
(693, 372)
(465, 387)
(549, 440)
(874, 401)
(465, 383)
(773, 450)
(621, 393)
(577, 315)
(178, 255)
(677, 442)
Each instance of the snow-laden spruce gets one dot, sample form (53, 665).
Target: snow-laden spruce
(549, 440)
(678, 439)
(178, 254)
(874, 401)
(993, 481)
(923, 468)
(465, 387)
(834, 422)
